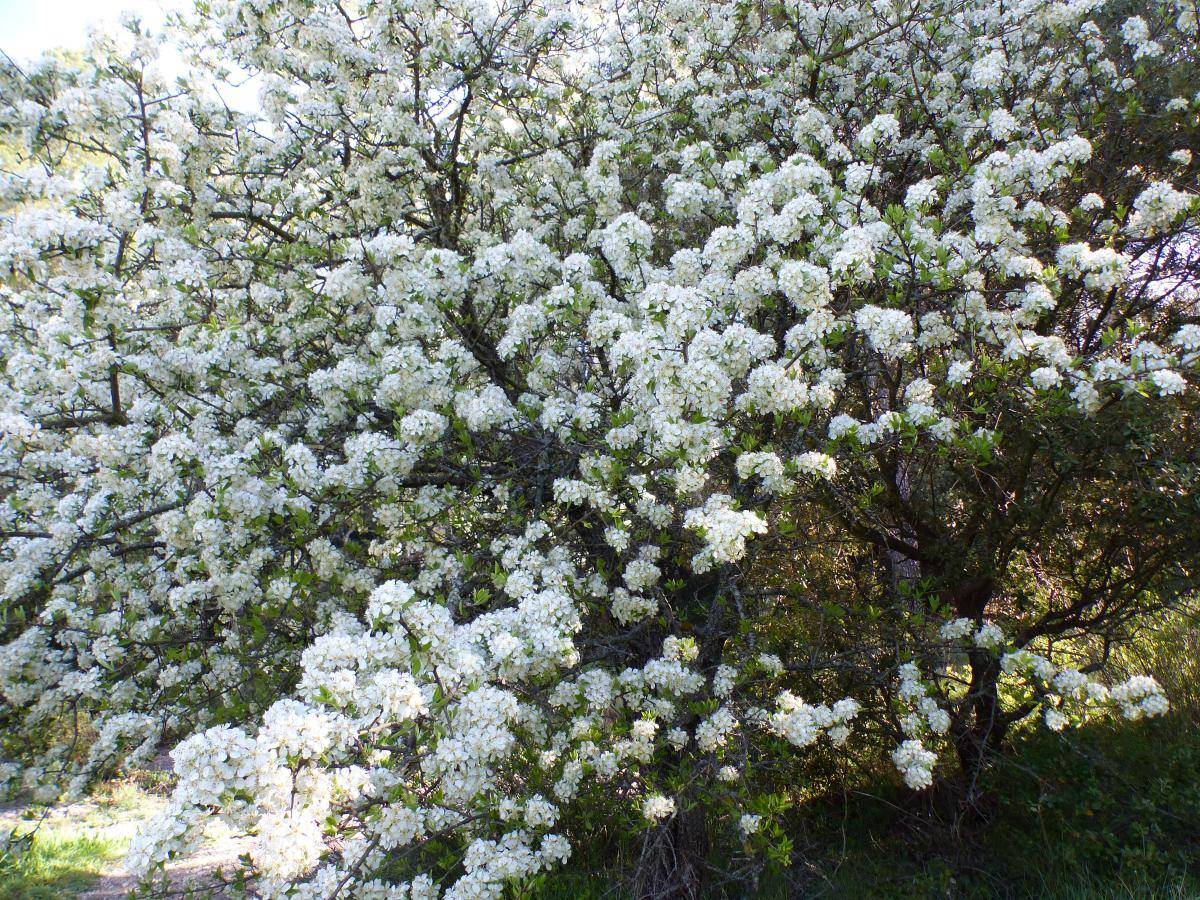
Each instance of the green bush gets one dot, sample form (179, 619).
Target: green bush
(1109, 810)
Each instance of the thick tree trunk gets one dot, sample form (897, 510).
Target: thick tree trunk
(982, 725)
(672, 862)
(904, 569)
(673, 857)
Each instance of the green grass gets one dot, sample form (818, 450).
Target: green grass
(1086, 885)
(58, 862)
(73, 845)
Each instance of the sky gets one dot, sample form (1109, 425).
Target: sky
(28, 27)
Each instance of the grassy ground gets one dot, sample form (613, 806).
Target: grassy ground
(62, 850)
(78, 849)
(58, 863)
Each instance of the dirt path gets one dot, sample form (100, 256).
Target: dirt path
(197, 872)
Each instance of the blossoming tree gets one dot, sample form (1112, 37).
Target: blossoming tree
(536, 406)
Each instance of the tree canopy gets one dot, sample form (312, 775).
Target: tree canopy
(537, 406)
